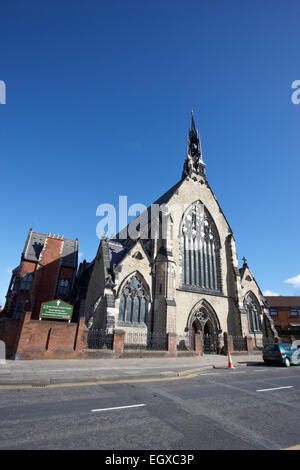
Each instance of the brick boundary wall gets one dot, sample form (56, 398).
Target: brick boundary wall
(51, 339)
(34, 339)
(9, 332)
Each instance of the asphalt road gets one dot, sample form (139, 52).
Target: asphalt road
(249, 408)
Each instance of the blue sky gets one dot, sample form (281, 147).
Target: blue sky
(98, 102)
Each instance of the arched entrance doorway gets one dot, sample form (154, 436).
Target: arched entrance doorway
(204, 319)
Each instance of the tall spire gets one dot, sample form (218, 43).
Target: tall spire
(194, 144)
(193, 162)
(192, 126)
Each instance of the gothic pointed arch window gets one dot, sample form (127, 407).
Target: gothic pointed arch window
(251, 304)
(134, 300)
(200, 249)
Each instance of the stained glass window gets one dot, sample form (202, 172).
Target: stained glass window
(252, 306)
(200, 249)
(133, 301)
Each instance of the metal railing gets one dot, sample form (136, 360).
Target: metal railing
(99, 339)
(185, 342)
(135, 340)
(146, 341)
(239, 343)
(211, 344)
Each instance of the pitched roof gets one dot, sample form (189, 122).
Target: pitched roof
(161, 200)
(164, 199)
(117, 251)
(35, 243)
(287, 301)
(168, 194)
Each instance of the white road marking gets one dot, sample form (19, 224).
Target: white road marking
(224, 372)
(276, 388)
(119, 407)
(211, 373)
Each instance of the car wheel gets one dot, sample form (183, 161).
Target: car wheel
(287, 362)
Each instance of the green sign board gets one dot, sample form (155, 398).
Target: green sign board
(56, 309)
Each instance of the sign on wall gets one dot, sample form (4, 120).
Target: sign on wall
(56, 309)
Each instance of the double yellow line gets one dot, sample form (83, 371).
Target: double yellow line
(90, 384)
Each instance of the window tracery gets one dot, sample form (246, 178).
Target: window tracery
(133, 301)
(200, 249)
(253, 309)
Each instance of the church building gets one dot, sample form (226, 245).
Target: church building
(180, 275)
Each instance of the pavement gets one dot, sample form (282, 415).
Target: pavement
(63, 371)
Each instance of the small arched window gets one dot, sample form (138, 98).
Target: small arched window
(200, 249)
(252, 306)
(133, 301)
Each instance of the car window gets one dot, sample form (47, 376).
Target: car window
(271, 347)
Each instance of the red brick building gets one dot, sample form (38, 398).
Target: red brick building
(46, 271)
(285, 312)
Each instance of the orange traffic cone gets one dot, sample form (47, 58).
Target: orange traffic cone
(230, 365)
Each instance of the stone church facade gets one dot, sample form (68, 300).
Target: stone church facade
(181, 278)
